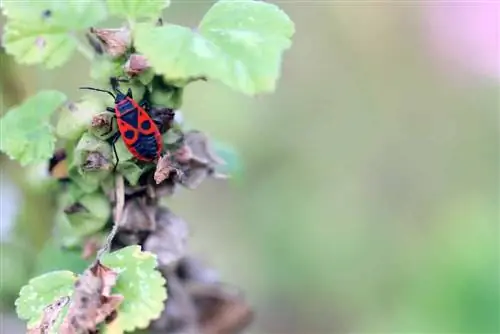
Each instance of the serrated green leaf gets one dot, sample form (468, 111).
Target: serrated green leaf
(76, 118)
(42, 291)
(41, 31)
(135, 9)
(239, 42)
(26, 131)
(140, 283)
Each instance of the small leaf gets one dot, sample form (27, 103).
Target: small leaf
(40, 31)
(26, 131)
(75, 118)
(134, 9)
(42, 291)
(142, 286)
(239, 42)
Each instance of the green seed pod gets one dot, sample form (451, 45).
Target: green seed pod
(89, 214)
(103, 126)
(75, 118)
(93, 158)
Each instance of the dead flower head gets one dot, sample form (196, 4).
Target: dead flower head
(115, 41)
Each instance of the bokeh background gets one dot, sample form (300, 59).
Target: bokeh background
(367, 200)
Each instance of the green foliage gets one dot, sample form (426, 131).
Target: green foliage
(238, 42)
(89, 214)
(27, 134)
(134, 9)
(42, 291)
(143, 301)
(41, 32)
(76, 118)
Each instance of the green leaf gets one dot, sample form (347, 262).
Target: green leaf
(26, 131)
(42, 291)
(77, 117)
(41, 31)
(140, 283)
(134, 9)
(89, 214)
(130, 171)
(239, 42)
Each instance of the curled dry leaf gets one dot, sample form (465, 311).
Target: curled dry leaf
(168, 241)
(179, 314)
(96, 161)
(198, 159)
(220, 310)
(136, 64)
(163, 168)
(115, 41)
(92, 302)
(49, 316)
(94, 43)
(138, 216)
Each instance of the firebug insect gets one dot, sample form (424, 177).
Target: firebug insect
(138, 130)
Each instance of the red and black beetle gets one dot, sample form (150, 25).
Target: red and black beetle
(139, 131)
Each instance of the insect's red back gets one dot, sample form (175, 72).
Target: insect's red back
(138, 130)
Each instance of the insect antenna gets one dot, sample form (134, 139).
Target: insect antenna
(99, 90)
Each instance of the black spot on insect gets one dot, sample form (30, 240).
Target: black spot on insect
(129, 134)
(146, 125)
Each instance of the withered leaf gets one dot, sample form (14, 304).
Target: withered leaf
(49, 316)
(92, 301)
(220, 310)
(116, 41)
(163, 168)
(201, 148)
(169, 239)
(138, 216)
(136, 64)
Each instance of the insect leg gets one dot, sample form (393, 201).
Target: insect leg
(113, 144)
(111, 120)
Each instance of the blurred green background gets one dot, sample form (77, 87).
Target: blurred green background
(368, 202)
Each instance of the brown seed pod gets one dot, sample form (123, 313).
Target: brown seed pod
(115, 41)
(136, 64)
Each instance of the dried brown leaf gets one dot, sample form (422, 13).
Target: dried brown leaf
(49, 316)
(201, 148)
(92, 301)
(138, 216)
(164, 168)
(169, 239)
(136, 64)
(220, 310)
